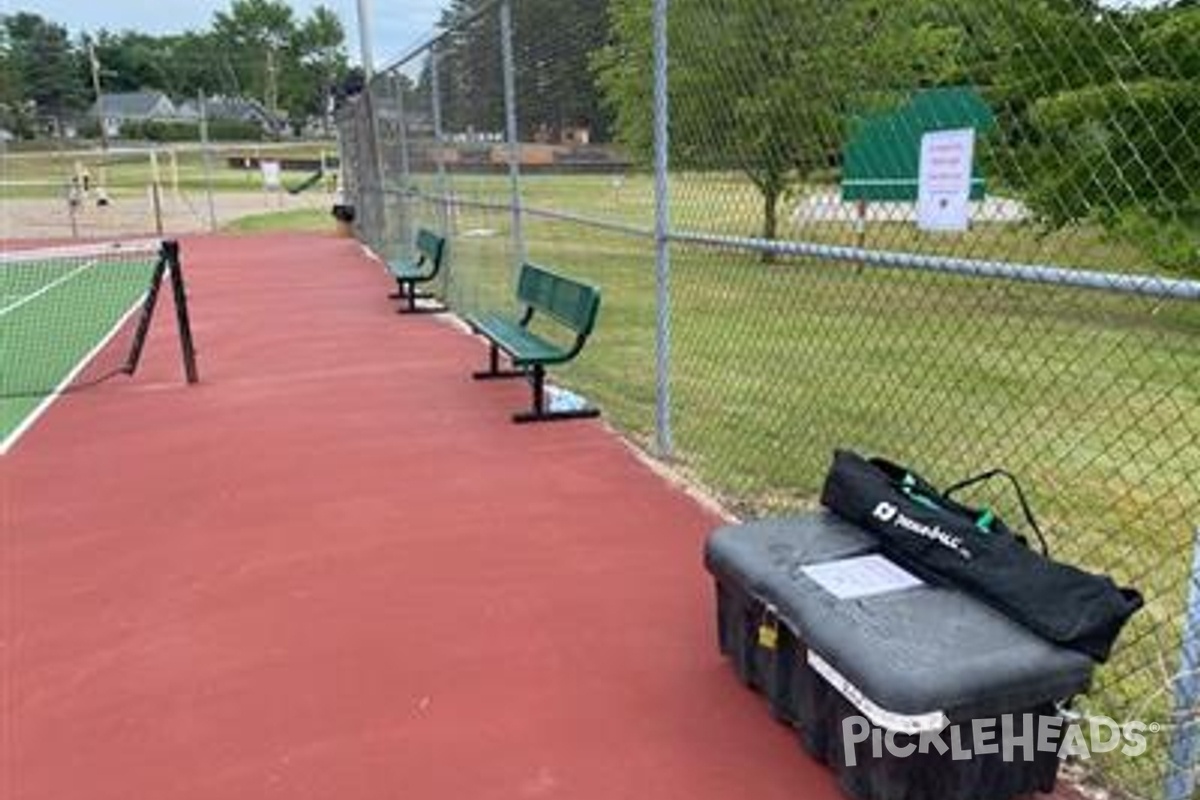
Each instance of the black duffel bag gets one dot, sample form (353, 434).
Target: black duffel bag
(946, 542)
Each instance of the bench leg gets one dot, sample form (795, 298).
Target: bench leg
(493, 371)
(399, 293)
(412, 295)
(539, 413)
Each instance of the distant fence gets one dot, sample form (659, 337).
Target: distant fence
(788, 268)
(80, 189)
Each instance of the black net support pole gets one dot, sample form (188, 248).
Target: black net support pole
(179, 290)
(143, 326)
(168, 263)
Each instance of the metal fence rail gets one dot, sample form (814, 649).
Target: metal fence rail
(783, 275)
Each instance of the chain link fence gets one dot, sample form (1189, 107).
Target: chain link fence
(78, 190)
(962, 234)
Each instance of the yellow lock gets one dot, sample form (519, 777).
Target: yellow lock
(768, 634)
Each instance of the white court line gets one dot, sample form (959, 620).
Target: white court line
(47, 287)
(44, 406)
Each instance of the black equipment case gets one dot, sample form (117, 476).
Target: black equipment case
(911, 661)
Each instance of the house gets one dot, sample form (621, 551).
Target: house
(114, 110)
(237, 109)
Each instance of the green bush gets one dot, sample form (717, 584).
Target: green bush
(227, 130)
(159, 131)
(1171, 242)
(89, 129)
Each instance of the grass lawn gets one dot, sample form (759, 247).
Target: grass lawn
(311, 220)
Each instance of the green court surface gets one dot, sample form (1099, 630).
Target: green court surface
(66, 318)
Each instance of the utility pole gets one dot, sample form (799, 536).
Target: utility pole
(101, 183)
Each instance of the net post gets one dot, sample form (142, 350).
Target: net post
(170, 251)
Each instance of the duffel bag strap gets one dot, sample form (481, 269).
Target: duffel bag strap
(1025, 507)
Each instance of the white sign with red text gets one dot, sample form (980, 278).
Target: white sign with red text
(944, 182)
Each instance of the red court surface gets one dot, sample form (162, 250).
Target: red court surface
(335, 570)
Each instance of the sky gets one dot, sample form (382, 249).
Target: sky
(396, 25)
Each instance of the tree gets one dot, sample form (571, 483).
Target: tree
(552, 41)
(180, 65)
(470, 72)
(255, 48)
(130, 61)
(319, 48)
(555, 88)
(47, 69)
(197, 62)
(1098, 117)
(764, 87)
(258, 31)
(12, 95)
(281, 59)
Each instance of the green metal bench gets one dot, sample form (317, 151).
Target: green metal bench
(431, 250)
(571, 304)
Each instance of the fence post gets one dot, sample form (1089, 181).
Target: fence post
(371, 93)
(206, 158)
(1185, 728)
(662, 228)
(376, 216)
(364, 40)
(439, 145)
(406, 227)
(405, 166)
(510, 120)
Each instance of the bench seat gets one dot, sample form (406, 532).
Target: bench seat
(406, 270)
(572, 306)
(431, 251)
(524, 347)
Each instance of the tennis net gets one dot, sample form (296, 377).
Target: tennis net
(72, 317)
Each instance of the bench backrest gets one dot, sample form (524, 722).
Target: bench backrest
(431, 246)
(568, 301)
